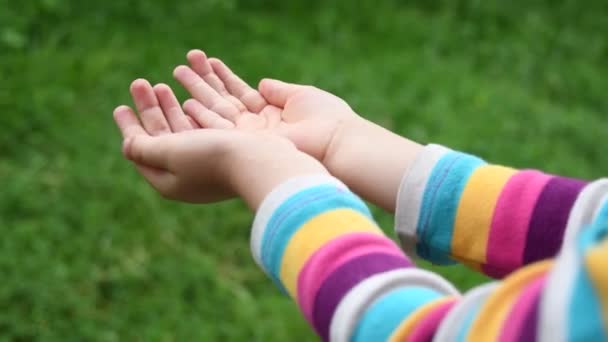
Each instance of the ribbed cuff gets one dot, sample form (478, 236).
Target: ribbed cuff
(585, 209)
(452, 324)
(274, 200)
(411, 192)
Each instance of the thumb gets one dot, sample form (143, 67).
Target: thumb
(278, 92)
(148, 151)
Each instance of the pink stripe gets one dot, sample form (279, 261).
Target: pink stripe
(426, 328)
(512, 326)
(333, 255)
(512, 215)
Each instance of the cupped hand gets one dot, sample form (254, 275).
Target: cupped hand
(152, 138)
(190, 161)
(311, 118)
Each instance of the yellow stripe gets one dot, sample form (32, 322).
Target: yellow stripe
(405, 328)
(314, 234)
(488, 323)
(475, 212)
(596, 260)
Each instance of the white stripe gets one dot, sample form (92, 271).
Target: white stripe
(451, 324)
(360, 297)
(411, 193)
(555, 299)
(273, 201)
(599, 208)
(585, 208)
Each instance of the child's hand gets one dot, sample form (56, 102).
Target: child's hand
(311, 118)
(368, 158)
(203, 165)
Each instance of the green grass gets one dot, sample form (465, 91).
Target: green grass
(90, 252)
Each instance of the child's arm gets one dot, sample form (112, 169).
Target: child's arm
(318, 242)
(492, 218)
(451, 206)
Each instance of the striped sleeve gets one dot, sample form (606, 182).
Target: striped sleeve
(454, 207)
(565, 299)
(318, 242)
(320, 245)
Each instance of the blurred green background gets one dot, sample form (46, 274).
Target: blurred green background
(89, 252)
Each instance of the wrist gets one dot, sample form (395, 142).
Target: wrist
(370, 159)
(255, 168)
(340, 138)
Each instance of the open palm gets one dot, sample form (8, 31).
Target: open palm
(308, 116)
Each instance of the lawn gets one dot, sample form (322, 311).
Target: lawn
(90, 252)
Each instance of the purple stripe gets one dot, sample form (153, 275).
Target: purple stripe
(346, 277)
(550, 217)
(530, 322)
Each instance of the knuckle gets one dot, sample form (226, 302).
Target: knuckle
(257, 101)
(159, 126)
(133, 149)
(154, 122)
(200, 84)
(232, 78)
(238, 104)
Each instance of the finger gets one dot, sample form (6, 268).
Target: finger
(146, 150)
(200, 64)
(178, 121)
(127, 122)
(150, 113)
(193, 122)
(200, 90)
(237, 87)
(278, 92)
(204, 117)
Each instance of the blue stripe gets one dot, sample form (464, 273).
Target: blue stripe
(295, 212)
(585, 321)
(440, 205)
(467, 323)
(585, 315)
(602, 215)
(385, 315)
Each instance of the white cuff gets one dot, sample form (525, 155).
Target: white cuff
(411, 193)
(585, 209)
(453, 322)
(273, 201)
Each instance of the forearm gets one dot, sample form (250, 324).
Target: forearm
(371, 160)
(456, 207)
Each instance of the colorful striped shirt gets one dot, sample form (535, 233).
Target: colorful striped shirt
(319, 243)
